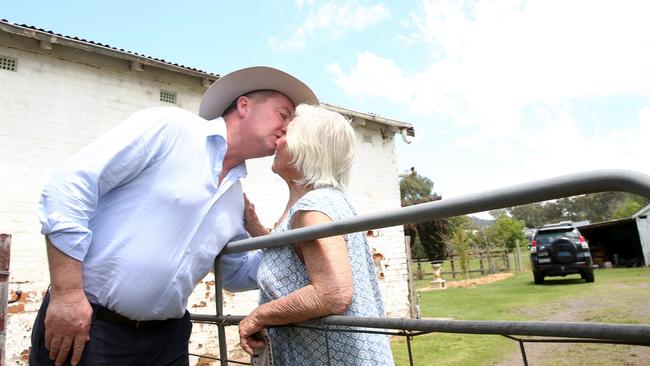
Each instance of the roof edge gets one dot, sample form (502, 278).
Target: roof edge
(373, 117)
(102, 49)
(406, 129)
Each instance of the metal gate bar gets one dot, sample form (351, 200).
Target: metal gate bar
(638, 334)
(542, 190)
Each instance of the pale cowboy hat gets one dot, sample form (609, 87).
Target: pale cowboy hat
(230, 86)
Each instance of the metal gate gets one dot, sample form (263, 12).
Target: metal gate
(543, 190)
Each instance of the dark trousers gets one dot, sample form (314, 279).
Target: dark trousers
(117, 344)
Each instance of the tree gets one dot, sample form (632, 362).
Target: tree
(461, 246)
(498, 212)
(507, 231)
(415, 188)
(429, 235)
(433, 237)
(462, 223)
(483, 244)
(627, 209)
(532, 214)
(594, 207)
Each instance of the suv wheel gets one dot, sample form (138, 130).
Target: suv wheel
(588, 275)
(539, 278)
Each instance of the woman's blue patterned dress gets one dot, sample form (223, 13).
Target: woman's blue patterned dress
(281, 272)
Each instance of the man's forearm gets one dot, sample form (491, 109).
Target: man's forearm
(65, 272)
(68, 316)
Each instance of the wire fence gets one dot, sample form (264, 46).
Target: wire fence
(543, 190)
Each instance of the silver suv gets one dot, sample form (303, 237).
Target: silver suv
(559, 250)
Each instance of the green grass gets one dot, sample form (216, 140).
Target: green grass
(613, 298)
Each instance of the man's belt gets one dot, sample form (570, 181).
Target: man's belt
(110, 316)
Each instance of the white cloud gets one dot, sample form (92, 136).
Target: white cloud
(506, 55)
(374, 76)
(331, 20)
(508, 72)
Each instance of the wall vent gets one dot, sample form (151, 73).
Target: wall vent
(7, 63)
(168, 96)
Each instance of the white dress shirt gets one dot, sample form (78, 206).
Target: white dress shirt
(143, 209)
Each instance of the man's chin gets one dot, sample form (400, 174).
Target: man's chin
(266, 153)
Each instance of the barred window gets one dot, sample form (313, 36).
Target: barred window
(7, 63)
(168, 96)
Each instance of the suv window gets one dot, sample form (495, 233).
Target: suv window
(547, 236)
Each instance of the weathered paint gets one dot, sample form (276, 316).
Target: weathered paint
(377, 258)
(5, 251)
(643, 226)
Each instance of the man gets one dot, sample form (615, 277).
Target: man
(135, 219)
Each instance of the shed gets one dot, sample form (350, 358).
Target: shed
(624, 242)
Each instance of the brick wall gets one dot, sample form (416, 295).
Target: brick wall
(61, 99)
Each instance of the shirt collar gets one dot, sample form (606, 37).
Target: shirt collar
(217, 127)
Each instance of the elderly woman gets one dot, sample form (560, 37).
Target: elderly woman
(333, 275)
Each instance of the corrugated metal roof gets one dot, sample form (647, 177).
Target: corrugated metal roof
(372, 117)
(43, 32)
(616, 222)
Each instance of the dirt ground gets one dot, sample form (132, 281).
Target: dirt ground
(592, 354)
(473, 282)
(479, 281)
(561, 354)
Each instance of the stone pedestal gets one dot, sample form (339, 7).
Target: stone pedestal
(438, 283)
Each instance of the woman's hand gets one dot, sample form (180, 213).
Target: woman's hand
(250, 334)
(251, 221)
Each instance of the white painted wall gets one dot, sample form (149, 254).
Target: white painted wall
(59, 100)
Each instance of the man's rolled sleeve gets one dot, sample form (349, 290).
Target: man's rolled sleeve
(239, 270)
(69, 236)
(70, 197)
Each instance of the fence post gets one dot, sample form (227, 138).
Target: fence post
(5, 251)
(453, 268)
(480, 262)
(506, 260)
(518, 256)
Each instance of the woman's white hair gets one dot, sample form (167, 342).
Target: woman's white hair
(321, 143)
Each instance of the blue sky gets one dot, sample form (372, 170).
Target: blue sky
(500, 92)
